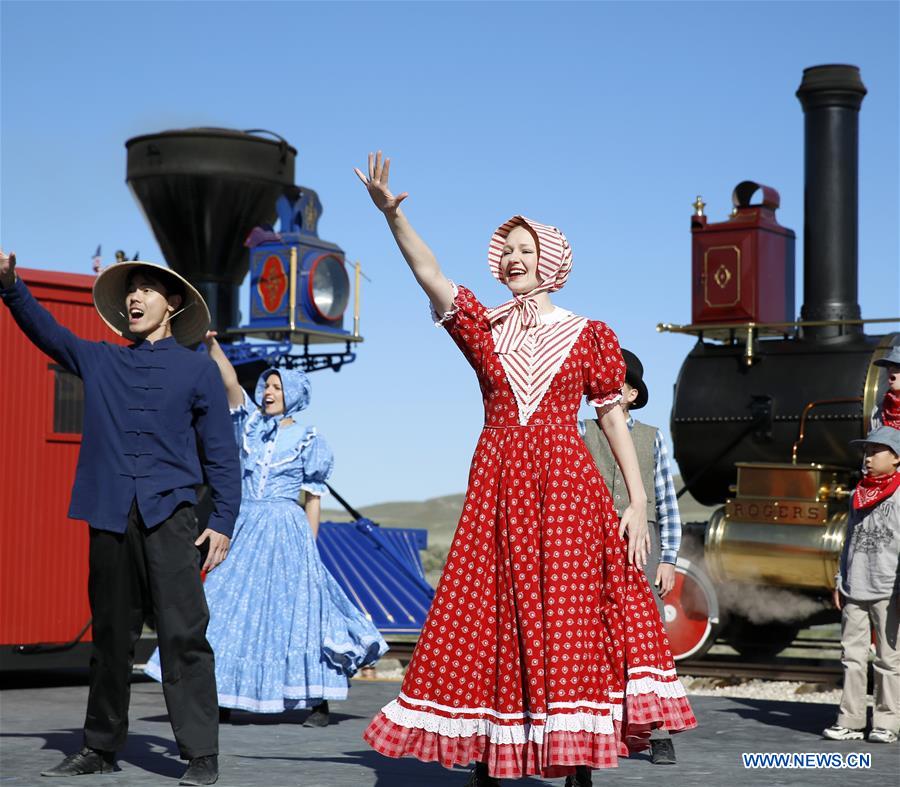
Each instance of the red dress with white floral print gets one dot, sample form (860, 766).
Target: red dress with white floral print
(543, 648)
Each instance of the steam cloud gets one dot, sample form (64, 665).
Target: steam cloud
(765, 604)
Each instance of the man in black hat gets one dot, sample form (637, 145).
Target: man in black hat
(663, 518)
(146, 406)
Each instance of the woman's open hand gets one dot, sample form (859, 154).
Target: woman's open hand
(634, 524)
(377, 184)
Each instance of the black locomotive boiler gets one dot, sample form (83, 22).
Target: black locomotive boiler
(765, 406)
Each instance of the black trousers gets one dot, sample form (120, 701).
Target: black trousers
(132, 575)
(652, 564)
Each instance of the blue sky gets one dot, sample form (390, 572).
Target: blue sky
(606, 119)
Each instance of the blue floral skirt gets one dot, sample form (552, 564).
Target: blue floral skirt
(283, 632)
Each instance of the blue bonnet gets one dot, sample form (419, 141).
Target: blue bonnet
(295, 385)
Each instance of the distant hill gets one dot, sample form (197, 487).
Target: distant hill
(439, 516)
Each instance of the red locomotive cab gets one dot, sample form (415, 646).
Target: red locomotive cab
(743, 268)
(43, 554)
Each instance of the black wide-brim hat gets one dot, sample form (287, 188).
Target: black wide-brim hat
(188, 327)
(634, 376)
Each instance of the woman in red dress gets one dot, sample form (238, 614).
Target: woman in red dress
(543, 653)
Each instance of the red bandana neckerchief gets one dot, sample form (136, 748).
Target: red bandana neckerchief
(890, 409)
(872, 489)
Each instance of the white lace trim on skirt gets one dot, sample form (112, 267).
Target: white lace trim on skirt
(496, 732)
(305, 696)
(666, 689)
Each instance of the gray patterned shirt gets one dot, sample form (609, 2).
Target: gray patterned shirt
(869, 562)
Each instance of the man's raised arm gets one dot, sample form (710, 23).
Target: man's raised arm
(36, 322)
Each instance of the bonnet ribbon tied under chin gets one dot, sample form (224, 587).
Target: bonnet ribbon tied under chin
(517, 316)
(270, 426)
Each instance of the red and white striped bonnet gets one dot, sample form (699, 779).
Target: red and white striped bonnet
(554, 252)
(518, 315)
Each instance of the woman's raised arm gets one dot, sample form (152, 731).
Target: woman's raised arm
(419, 257)
(233, 389)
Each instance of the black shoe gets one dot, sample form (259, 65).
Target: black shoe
(83, 762)
(662, 752)
(319, 716)
(481, 777)
(224, 715)
(582, 777)
(202, 770)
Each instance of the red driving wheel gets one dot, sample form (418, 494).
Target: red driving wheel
(691, 612)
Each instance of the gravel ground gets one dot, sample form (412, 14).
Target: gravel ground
(792, 691)
(782, 690)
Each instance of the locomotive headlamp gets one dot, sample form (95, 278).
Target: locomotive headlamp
(327, 290)
(299, 287)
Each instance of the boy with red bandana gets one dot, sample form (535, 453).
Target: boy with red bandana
(866, 592)
(889, 412)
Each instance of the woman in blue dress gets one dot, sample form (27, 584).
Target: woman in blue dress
(284, 633)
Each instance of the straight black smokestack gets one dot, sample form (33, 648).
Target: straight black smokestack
(831, 96)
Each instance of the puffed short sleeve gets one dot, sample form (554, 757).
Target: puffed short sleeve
(466, 321)
(604, 367)
(318, 463)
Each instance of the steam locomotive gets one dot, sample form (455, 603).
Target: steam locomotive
(765, 406)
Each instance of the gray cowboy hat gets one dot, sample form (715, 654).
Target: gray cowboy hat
(190, 322)
(881, 435)
(891, 359)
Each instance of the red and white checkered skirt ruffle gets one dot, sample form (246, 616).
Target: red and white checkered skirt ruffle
(557, 755)
(549, 746)
(653, 698)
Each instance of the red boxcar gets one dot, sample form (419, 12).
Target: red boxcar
(43, 553)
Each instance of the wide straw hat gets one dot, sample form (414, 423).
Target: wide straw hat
(191, 320)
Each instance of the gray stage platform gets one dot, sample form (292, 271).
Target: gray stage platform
(38, 725)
